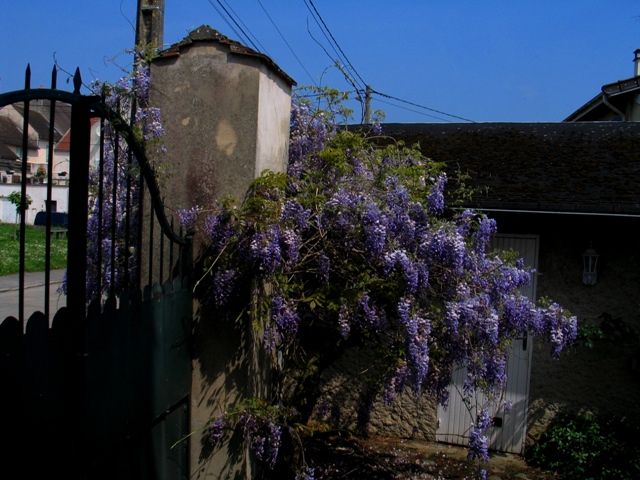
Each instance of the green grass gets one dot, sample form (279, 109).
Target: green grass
(34, 250)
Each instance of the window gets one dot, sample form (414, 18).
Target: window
(54, 205)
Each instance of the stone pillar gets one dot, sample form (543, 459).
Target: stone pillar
(225, 111)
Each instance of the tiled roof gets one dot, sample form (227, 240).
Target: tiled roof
(587, 167)
(11, 134)
(6, 153)
(65, 142)
(62, 113)
(9, 166)
(205, 33)
(618, 94)
(40, 123)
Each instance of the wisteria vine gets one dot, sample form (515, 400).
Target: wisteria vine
(114, 186)
(356, 245)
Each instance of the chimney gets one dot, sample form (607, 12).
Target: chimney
(636, 63)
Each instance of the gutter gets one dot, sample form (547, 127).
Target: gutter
(504, 210)
(605, 100)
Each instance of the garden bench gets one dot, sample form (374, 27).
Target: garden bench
(58, 232)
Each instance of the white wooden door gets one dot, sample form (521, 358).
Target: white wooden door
(509, 432)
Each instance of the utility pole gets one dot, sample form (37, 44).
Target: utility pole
(367, 105)
(150, 23)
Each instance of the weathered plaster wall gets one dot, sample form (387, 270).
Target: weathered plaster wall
(209, 106)
(226, 118)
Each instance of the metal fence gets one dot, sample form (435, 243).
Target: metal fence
(99, 388)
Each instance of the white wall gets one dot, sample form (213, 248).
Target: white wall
(38, 193)
(274, 116)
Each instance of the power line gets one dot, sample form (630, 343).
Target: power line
(246, 37)
(287, 43)
(238, 25)
(341, 63)
(262, 49)
(422, 106)
(346, 60)
(339, 52)
(412, 110)
(345, 73)
(350, 66)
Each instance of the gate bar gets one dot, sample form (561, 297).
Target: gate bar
(50, 166)
(23, 197)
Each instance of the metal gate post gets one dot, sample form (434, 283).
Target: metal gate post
(79, 156)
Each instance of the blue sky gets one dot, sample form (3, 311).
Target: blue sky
(486, 61)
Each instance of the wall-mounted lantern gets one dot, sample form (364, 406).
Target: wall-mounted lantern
(589, 273)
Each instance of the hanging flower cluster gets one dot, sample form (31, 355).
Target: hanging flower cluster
(261, 426)
(113, 225)
(356, 244)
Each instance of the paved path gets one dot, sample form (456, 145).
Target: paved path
(33, 293)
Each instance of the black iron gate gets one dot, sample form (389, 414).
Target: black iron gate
(99, 388)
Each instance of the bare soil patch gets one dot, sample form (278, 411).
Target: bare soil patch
(345, 457)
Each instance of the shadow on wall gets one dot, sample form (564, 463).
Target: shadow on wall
(346, 402)
(232, 366)
(603, 380)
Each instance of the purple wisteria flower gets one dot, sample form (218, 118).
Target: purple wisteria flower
(284, 322)
(400, 261)
(353, 247)
(151, 120)
(395, 385)
(218, 229)
(324, 267)
(323, 408)
(307, 473)
(508, 407)
(216, 429)
(478, 441)
(447, 248)
(290, 246)
(265, 252)
(263, 436)
(224, 286)
(370, 318)
(344, 320)
(375, 229)
(486, 228)
(141, 80)
(188, 216)
(293, 211)
(435, 199)
(113, 226)
(417, 330)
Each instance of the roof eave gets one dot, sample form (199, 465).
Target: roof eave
(205, 33)
(622, 86)
(591, 105)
